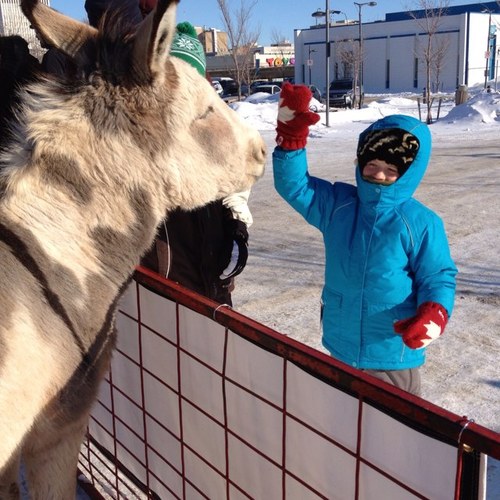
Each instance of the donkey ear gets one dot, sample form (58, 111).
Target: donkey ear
(153, 39)
(57, 29)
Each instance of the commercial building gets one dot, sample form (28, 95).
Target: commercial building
(214, 41)
(463, 52)
(267, 62)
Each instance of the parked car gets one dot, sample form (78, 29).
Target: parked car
(341, 93)
(279, 83)
(256, 83)
(229, 86)
(269, 88)
(218, 87)
(245, 89)
(316, 92)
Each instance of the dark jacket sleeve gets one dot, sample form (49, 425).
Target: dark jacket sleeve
(193, 248)
(55, 62)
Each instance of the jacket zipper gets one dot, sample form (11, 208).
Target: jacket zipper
(363, 285)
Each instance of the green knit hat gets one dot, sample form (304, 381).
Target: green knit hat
(186, 46)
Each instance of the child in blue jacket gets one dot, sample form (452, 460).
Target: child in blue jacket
(389, 277)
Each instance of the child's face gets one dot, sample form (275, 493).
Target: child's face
(380, 172)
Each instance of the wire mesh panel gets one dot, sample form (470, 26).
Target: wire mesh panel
(202, 402)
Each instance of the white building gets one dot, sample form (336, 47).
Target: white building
(14, 22)
(393, 50)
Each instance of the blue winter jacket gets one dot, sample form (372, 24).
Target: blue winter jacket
(386, 253)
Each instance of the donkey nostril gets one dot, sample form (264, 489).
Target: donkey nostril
(261, 153)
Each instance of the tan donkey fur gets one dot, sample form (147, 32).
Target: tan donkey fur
(93, 166)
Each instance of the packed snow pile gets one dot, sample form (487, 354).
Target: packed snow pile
(259, 110)
(482, 108)
(394, 101)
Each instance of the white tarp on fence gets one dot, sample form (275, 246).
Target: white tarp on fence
(213, 415)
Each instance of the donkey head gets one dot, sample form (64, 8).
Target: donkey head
(149, 111)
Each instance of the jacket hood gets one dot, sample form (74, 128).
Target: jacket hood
(406, 185)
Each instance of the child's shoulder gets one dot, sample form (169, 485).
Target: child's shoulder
(418, 213)
(343, 194)
(413, 204)
(345, 188)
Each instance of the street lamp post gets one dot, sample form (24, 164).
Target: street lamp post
(326, 15)
(327, 42)
(487, 54)
(361, 55)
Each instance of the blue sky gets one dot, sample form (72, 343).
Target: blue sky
(269, 16)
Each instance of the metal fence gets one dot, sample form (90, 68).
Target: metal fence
(203, 402)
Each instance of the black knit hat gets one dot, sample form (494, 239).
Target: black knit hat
(393, 145)
(96, 8)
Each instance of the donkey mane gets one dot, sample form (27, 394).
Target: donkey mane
(111, 51)
(106, 58)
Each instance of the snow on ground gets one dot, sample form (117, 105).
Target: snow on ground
(282, 282)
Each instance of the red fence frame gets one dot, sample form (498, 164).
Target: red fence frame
(108, 476)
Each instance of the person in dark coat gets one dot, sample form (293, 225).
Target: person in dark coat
(54, 61)
(202, 249)
(194, 248)
(17, 68)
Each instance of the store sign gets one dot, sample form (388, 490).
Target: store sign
(280, 61)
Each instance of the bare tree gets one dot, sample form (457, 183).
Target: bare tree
(277, 38)
(347, 53)
(442, 44)
(242, 40)
(430, 50)
(279, 42)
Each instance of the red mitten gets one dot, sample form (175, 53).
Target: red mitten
(294, 116)
(427, 325)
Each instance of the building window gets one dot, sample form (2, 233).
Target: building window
(387, 73)
(348, 68)
(415, 73)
